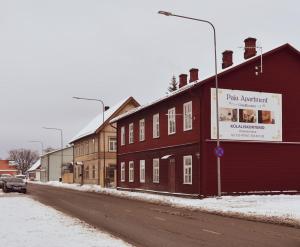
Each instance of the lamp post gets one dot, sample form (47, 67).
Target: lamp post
(42, 144)
(103, 110)
(216, 85)
(61, 145)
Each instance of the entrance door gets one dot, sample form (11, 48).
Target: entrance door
(172, 175)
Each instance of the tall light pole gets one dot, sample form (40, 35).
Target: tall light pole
(216, 85)
(103, 110)
(42, 144)
(61, 145)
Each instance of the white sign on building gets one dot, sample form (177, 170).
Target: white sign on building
(247, 115)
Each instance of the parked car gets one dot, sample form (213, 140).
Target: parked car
(3, 176)
(14, 184)
(23, 177)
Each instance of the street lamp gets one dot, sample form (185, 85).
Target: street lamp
(61, 144)
(42, 144)
(216, 85)
(103, 110)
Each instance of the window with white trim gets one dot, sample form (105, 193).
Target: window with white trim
(131, 133)
(112, 144)
(156, 125)
(155, 170)
(187, 116)
(122, 135)
(122, 171)
(131, 171)
(142, 130)
(171, 121)
(142, 171)
(187, 169)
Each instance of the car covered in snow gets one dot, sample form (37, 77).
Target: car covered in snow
(2, 177)
(14, 184)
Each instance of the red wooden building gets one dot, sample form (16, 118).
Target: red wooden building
(168, 146)
(8, 167)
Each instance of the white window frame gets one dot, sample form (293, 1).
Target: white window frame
(130, 133)
(172, 121)
(155, 175)
(142, 171)
(131, 172)
(123, 175)
(187, 116)
(112, 141)
(123, 135)
(156, 131)
(142, 130)
(187, 176)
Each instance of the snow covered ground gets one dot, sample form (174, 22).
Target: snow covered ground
(25, 222)
(274, 208)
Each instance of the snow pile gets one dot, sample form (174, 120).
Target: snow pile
(277, 208)
(25, 222)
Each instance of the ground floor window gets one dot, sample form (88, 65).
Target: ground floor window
(131, 171)
(155, 170)
(87, 172)
(142, 171)
(187, 169)
(122, 171)
(94, 171)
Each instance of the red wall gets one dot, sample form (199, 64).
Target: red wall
(4, 165)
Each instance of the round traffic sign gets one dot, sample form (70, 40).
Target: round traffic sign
(219, 151)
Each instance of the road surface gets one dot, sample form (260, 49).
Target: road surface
(147, 224)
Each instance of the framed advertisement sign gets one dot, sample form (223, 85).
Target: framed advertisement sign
(247, 115)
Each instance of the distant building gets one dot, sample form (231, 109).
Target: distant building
(34, 172)
(169, 146)
(8, 167)
(95, 147)
(51, 167)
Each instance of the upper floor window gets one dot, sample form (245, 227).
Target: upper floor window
(187, 169)
(131, 171)
(171, 121)
(131, 140)
(112, 144)
(122, 171)
(156, 125)
(142, 171)
(155, 170)
(142, 130)
(187, 116)
(123, 135)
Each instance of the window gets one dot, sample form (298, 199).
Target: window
(86, 148)
(94, 172)
(123, 135)
(155, 170)
(92, 145)
(87, 172)
(156, 125)
(112, 144)
(122, 171)
(187, 169)
(131, 171)
(187, 116)
(131, 133)
(142, 130)
(171, 121)
(142, 171)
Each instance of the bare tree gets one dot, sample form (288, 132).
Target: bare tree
(48, 150)
(173, 85)
(24, 158)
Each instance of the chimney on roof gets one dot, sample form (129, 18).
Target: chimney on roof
(250, 48)
(194, 75)
(227, 59)
(182, 80)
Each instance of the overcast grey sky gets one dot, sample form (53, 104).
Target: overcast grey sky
(53, 50)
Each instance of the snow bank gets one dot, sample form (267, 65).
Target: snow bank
(25, 222)
(275, 208)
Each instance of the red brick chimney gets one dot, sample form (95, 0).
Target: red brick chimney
(250, 48)
(194, 75)
(227, 59)
(182, 80)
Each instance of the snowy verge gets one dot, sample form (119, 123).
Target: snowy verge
(26, 222)
(281, 209)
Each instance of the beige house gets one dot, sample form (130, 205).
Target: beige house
(95, 147)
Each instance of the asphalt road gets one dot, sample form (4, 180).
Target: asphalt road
(147, 224)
